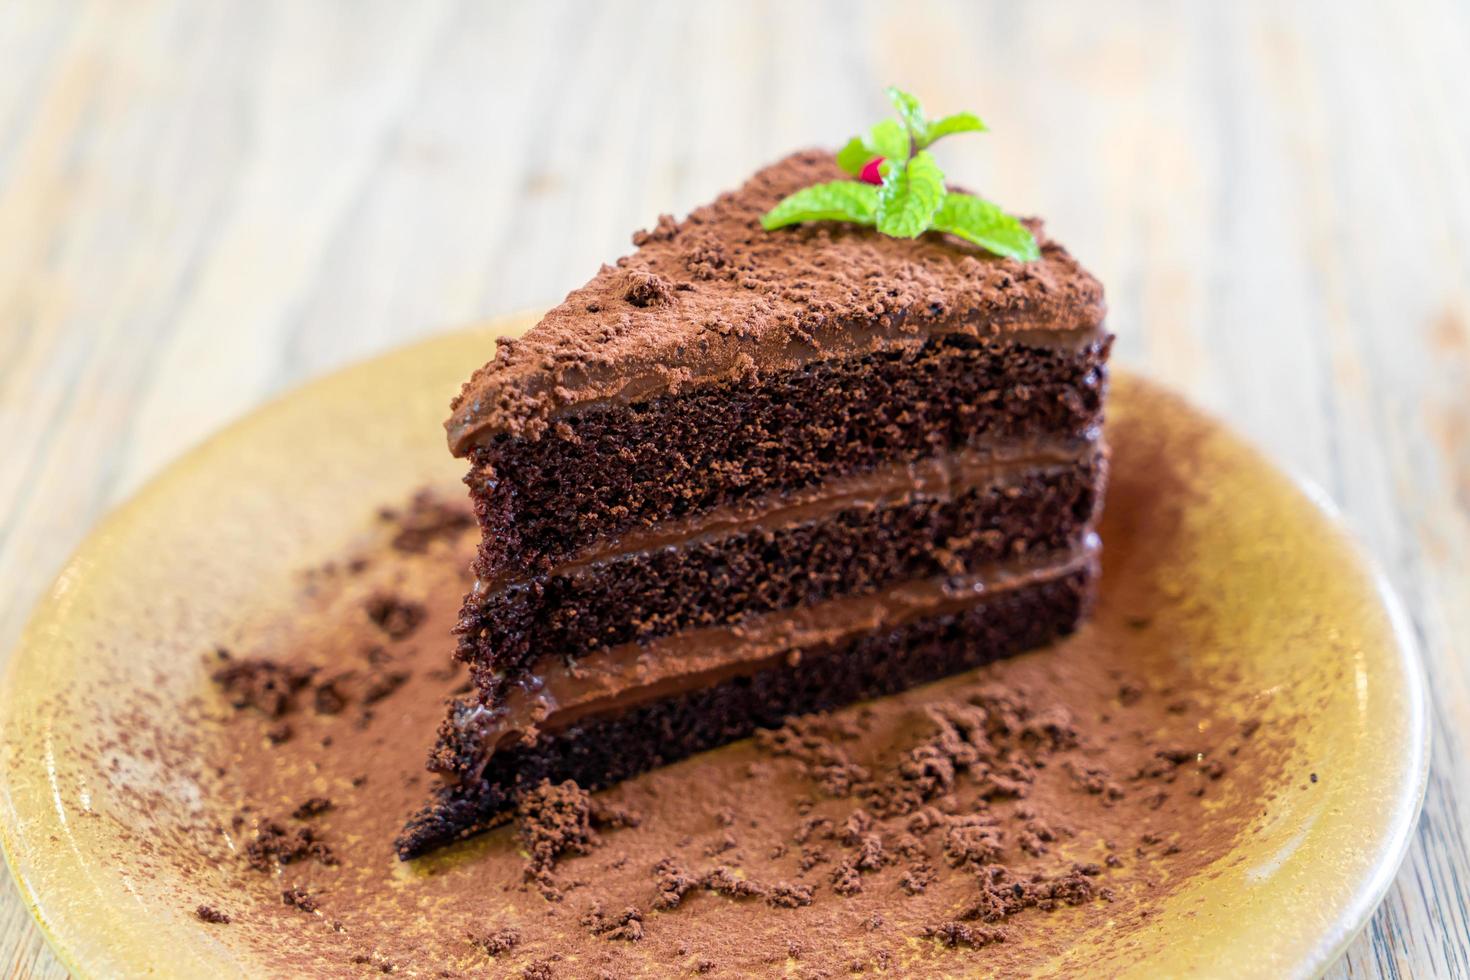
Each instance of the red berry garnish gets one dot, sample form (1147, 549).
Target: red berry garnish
(870, 174)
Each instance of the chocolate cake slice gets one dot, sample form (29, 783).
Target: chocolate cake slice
(744, 474)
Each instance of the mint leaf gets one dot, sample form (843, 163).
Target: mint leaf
(837, 200)
(854, 156)
(888, 139)
(910, 196)
(960, 122)
(924, 130)
(977, 220)
(909, 111)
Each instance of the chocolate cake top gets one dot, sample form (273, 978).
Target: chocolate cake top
(715, 297)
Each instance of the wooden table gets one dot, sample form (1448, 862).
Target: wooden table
(204, 203)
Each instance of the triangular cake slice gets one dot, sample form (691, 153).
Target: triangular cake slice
(745, 474)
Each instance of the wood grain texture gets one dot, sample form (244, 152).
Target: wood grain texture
(203, 204)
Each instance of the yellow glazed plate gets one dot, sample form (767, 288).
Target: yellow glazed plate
(1306, 627)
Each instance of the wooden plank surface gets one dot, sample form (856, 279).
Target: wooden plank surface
(204, 203)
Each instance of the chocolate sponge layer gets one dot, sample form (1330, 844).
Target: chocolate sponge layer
(604, 750)
(654, 593)
(605, 470)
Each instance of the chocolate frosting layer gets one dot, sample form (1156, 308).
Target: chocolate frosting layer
(715, 297)
(943, 475)
(633, 673)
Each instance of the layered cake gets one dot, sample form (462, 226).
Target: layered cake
(744, 474)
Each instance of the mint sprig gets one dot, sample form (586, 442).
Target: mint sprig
(904, 195)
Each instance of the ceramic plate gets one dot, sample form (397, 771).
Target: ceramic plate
(1300, 621)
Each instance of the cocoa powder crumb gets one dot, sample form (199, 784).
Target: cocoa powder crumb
(299, 898)
(328, 699)
(208, 913)
(1035, 834)
(646, 289)
(313, 807)
(383, 685)
(726, 881)
(427, 519)
(857, 825)
(552, 820)
(964, 934)
(375, 960)
(811, 857)
(908, 846)
(973, 840)
(274, 844)
(917, 879)
(395, 616)
(495, 942)
(1003, 894)
(787, 895)
(845, 880)
(626, 925)
(265, 685)
(673, 883)
(870, 854)
(812, 827)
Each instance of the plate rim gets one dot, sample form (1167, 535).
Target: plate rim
(1391, 858)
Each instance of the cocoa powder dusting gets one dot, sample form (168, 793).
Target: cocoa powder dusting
(714, 296)
(970, 826)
